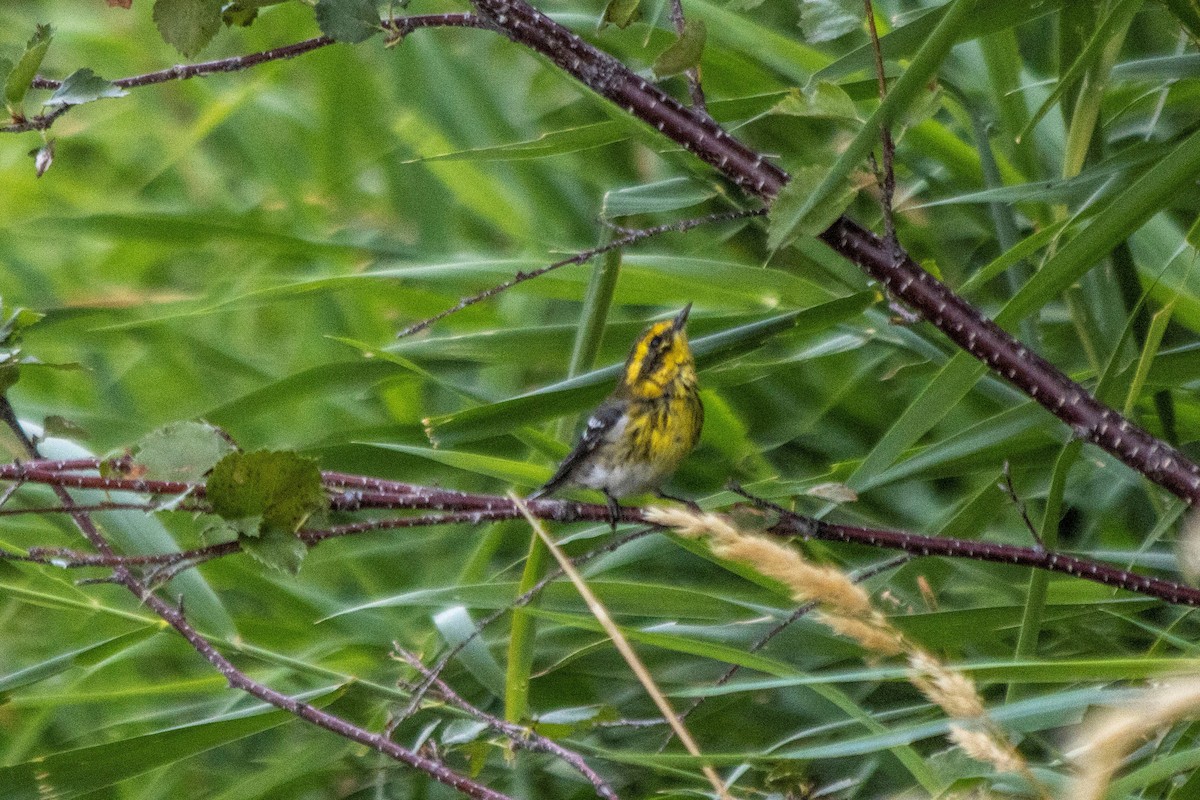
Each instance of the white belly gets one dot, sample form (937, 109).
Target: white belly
(619, 481)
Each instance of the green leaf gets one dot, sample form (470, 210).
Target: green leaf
(1128, 211)
(6, 66)
(822, 100)
(458, 629)
(84, 771)
(187, 25)
(824, 20)
(22, 74)
(85, 656)
(243, 12)
(621, 13)
(83, 86)
(564, 140)
(63, 428)
(685, 52)
(182, 451)
(505, 469)
(671, 194)
(268, 494)
(792, 215)
(277, 549)
(350, 21)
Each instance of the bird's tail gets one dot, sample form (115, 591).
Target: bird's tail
(543, 490)
(553, 485)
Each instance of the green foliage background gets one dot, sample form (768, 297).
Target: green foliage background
(242, 248)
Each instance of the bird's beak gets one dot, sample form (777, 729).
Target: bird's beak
(681, 318)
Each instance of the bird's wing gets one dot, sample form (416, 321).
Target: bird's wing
(599, 424)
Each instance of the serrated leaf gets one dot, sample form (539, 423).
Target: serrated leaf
(266, 496)
(351, 21)
(685, 52)
(83, 86)
(187, 25)
(783, 224)
(181, 451)
(824, 100)
(281, 486)
(277, 549)
(21, 74)
(824, 20)
(621, 13)
(239, 15)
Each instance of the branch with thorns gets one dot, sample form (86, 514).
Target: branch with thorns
(447, 506)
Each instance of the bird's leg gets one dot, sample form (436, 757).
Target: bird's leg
(689, 503)
(614, 510)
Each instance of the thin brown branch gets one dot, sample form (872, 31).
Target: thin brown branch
(628, 237)
(521, 736)
(397, 26)
(1007, 487)
(465, 508)
(39, 122)
(887, 177)
(779, 628)
(695, 89)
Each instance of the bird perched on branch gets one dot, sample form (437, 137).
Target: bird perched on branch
(638, 436)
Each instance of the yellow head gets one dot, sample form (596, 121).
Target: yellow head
(661, 361)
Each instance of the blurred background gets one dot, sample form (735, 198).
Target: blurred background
(243, 248)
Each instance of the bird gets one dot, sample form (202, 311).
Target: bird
(639, 435)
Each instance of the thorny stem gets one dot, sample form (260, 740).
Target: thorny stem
(463, 507)
(233, 676)
(792, 524)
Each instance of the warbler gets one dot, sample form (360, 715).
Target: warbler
(638, 436)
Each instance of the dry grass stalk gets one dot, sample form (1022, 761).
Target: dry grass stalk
(1104, 742)
(846, 608)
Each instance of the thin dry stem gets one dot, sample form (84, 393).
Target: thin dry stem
(622, 645)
